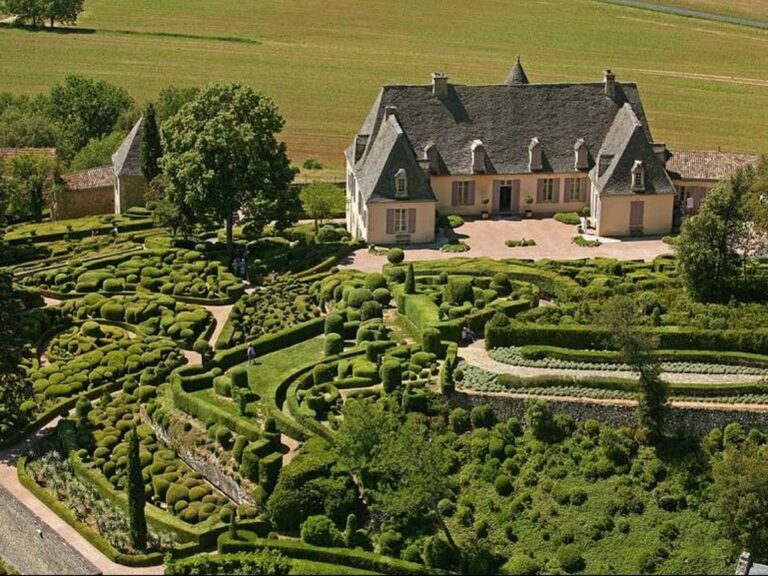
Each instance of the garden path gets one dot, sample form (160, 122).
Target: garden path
(77, 553)
(477, 355)
(292, 448)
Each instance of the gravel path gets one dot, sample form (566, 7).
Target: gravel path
(688, 13)
(476, 355)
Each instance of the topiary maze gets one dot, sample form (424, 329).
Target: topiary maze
(364, 435)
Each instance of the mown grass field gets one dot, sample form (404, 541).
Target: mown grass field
(756, 9)
(705, 84)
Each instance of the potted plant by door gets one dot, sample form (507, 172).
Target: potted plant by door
(528, 202)
(484, 211)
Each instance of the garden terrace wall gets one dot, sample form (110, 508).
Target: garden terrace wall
(592, 337)
(271, 343)
(339, 556)
(691, 420)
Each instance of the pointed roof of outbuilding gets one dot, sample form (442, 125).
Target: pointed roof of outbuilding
(517, 76)
(127, 160)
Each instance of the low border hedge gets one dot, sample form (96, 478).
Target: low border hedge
(341, 556)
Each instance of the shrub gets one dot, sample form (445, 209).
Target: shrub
(334, 344)
(358, 297)
(570, 218)
(503, 485)
(382, 296)
(395, 255)
(458, 290)
(334, 323)
(374, 281)
(321, 374)
(570, 559)
(391, 375)
(520, 564)
(482, 417)
(438, 553)
(430, 339)
(459, 420)
(320, 530)
(370, 310)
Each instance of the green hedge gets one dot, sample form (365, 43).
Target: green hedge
(294, 335)
(75, 234)
(592, 337)
(96, 539)
(341, 556)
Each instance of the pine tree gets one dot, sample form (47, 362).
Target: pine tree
(136, 518)
(150, 145)
(410, 281)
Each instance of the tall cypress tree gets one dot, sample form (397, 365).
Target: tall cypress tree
(136, 518)
(150, 145)
(410, 280)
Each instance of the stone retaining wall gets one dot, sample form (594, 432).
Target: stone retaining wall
(689, 420)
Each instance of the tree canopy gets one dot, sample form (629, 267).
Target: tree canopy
(150, 145)
(221, 155)
(717, 246)
(318, 200)
(87, 108)
(37, 12)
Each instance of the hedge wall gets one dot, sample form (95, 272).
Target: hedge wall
(294, 335)
(341, 556)
(591, 337)
(105, 229)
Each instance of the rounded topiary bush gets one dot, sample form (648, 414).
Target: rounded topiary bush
(521, 565)
(570, 559)
(321, 531)
(358, 297)
(438, 553)
(430, 339)
(334, 323)
(395, 255)
(370, 310)
(321, 374)
(334, 344)
(458, 290)
(382, 296)
(374, 281)
(503, 485)
(391, 374)
(175, 493)
(112, 311)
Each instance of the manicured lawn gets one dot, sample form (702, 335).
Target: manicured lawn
(272, 369)
(705, 84)
(754, 9)
(309, 567)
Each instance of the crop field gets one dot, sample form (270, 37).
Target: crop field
(705, 84)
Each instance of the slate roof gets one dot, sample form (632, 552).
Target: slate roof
(517, 76)
(391, 151)
(505, 119)
(6, 153)
(100, 177)
(627, 143)
(127, 160)
(706, 164)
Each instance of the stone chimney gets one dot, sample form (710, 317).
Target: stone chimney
(439, 84)
(660, 149)
(610, 84)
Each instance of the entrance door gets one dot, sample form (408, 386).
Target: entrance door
(505, 198)
(508, 196)
(636, 212)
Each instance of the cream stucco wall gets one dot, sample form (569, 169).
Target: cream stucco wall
(613, 217)
(443, 188)
(376, 229)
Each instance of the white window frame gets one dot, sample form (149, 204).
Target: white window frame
(462, 193)
(400, 221)
(548, 190)
(638, 179)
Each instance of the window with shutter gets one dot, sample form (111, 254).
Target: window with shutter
(463, 193)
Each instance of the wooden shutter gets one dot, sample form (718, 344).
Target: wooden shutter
(567, 189)
(585, 189)
(556, 190)
(539, 191)
(411, 220)
(455, 194)
(390, 221)
(515, 204)
(495, 196)
(472, 193)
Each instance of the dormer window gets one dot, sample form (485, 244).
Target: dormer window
(638, 177)
(478, 157)
(534, 155)
(603, 161)
(432, 157)
(401, 184)
(581, 155)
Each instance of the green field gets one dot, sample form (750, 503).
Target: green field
(705, 84)
(755, 9)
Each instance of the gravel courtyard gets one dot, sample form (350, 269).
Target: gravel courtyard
(487, 237)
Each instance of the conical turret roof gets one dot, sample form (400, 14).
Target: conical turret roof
(517, 76)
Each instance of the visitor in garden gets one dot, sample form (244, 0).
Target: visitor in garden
(243, 266)
(468, 335)
(236, 266)
(251, 354)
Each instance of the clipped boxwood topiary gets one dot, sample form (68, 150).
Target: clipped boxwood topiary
(321, 374)
(395, 255)
(334, 344)
(370, 310)
(320, 530)
(334, 324)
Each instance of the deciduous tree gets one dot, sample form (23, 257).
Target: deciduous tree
(31, 178)
(14, 388)
(318, 200)
(221, 155)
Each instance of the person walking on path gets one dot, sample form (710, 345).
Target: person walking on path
(251, 354)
